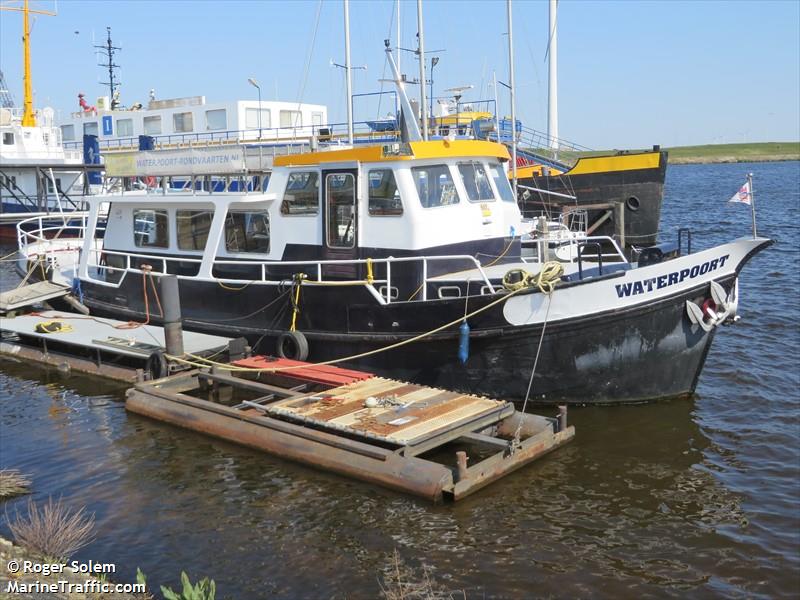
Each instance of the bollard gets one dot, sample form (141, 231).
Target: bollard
(173, 329)
(562, 417)
(461, 459)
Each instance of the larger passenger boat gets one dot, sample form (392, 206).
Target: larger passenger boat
(405, 259)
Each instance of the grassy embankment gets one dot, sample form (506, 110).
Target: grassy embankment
(722, 153)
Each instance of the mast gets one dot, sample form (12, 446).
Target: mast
(112, 84)
(348, 71)
(552, 79)
(397, 56)
(28, 117)
(513, 99)
(423, 104)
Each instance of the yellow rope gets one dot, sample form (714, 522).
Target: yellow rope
(545, 280)
(234, 289)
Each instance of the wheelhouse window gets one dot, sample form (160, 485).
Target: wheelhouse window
(251, 118)
(316, 118)
(476, 182)
(216, 119)
(182, 122)
(501, 181)
(247, 231)
(435, 186)
(152, 125)
(68, 133)
(90, 128)
(340, 198)
(150, 228)
(291, 118)
(193, 227)
(302, 194)
(124, 127)
(384, 197)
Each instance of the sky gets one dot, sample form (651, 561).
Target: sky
(631, 73)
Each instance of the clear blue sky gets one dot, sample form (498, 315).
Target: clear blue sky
(631, 73)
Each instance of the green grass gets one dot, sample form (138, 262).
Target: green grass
(735, 152)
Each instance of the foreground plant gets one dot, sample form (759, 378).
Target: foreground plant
(203, 590)
(13, 483)
(53, 530)
(401, 582)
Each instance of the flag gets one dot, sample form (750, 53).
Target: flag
(744, 194)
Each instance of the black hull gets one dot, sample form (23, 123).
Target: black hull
(634, 355)
(641, 190)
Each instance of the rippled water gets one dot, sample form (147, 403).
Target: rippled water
(691, 498)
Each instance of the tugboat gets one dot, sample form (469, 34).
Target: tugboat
(405, 259)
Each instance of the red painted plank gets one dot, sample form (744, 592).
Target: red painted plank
(304, 371)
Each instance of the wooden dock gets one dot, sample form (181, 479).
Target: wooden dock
(370, 428)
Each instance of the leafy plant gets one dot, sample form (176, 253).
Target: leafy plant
(203, 590)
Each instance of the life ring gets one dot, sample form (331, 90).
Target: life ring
(150, 181)
(292, 345)
(709, 305)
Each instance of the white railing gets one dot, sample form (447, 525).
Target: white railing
(383, 293)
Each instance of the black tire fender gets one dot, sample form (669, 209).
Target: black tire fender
(292, 345)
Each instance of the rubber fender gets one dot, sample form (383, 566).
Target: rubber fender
(292, 345)
(156, 365)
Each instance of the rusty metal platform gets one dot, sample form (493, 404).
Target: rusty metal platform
(393, 412)
(373, 429)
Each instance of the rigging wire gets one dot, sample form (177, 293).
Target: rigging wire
(304, 81)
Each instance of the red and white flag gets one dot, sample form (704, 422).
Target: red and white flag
(744, 195)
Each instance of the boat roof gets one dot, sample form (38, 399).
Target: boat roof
(399, 152)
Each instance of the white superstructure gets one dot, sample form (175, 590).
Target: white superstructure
(185, 120)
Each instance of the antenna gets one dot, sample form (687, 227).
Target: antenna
(112, 84)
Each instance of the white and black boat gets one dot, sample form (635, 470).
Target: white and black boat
(354, 251)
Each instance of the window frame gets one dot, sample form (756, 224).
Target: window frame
(502, 174)
(475, 164)
(119, 129)
(397, 192)
(217, 111)
(181, 116)
(447, 167)
(88, 125)
(329, 189)
(157, 212)
(232, 212)
(285, 212)
(149, 121)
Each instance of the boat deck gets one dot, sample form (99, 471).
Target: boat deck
(32, 293)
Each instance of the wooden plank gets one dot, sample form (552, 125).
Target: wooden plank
(31, 294)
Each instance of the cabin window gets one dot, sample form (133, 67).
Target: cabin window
(68, 133)
(340, 196)
(247, 231)
(291, 118)
(435, 186)
(476, 182)
(8, 139)
(182, 122)
(316, 118)
(90, 128)
(193, 228)
(50, 188)
(150, 228)
(216, 119)
(302, 194)
(124, 127)
(501, 181)
(384, 197)
(251, 118)
(152, 125)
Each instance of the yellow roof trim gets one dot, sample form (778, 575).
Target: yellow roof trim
(419, 150)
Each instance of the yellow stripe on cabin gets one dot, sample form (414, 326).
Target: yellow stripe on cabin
(419, 150)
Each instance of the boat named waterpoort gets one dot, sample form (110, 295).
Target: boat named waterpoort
(406, 260)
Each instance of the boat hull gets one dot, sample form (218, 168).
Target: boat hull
(622, 337)
(634, 179)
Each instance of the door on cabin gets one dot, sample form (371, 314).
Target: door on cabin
(340, 221)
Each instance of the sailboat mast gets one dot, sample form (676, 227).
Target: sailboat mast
(552, 79)
(397, 56)
(423, 104)
(348, 71)
(513, 99)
